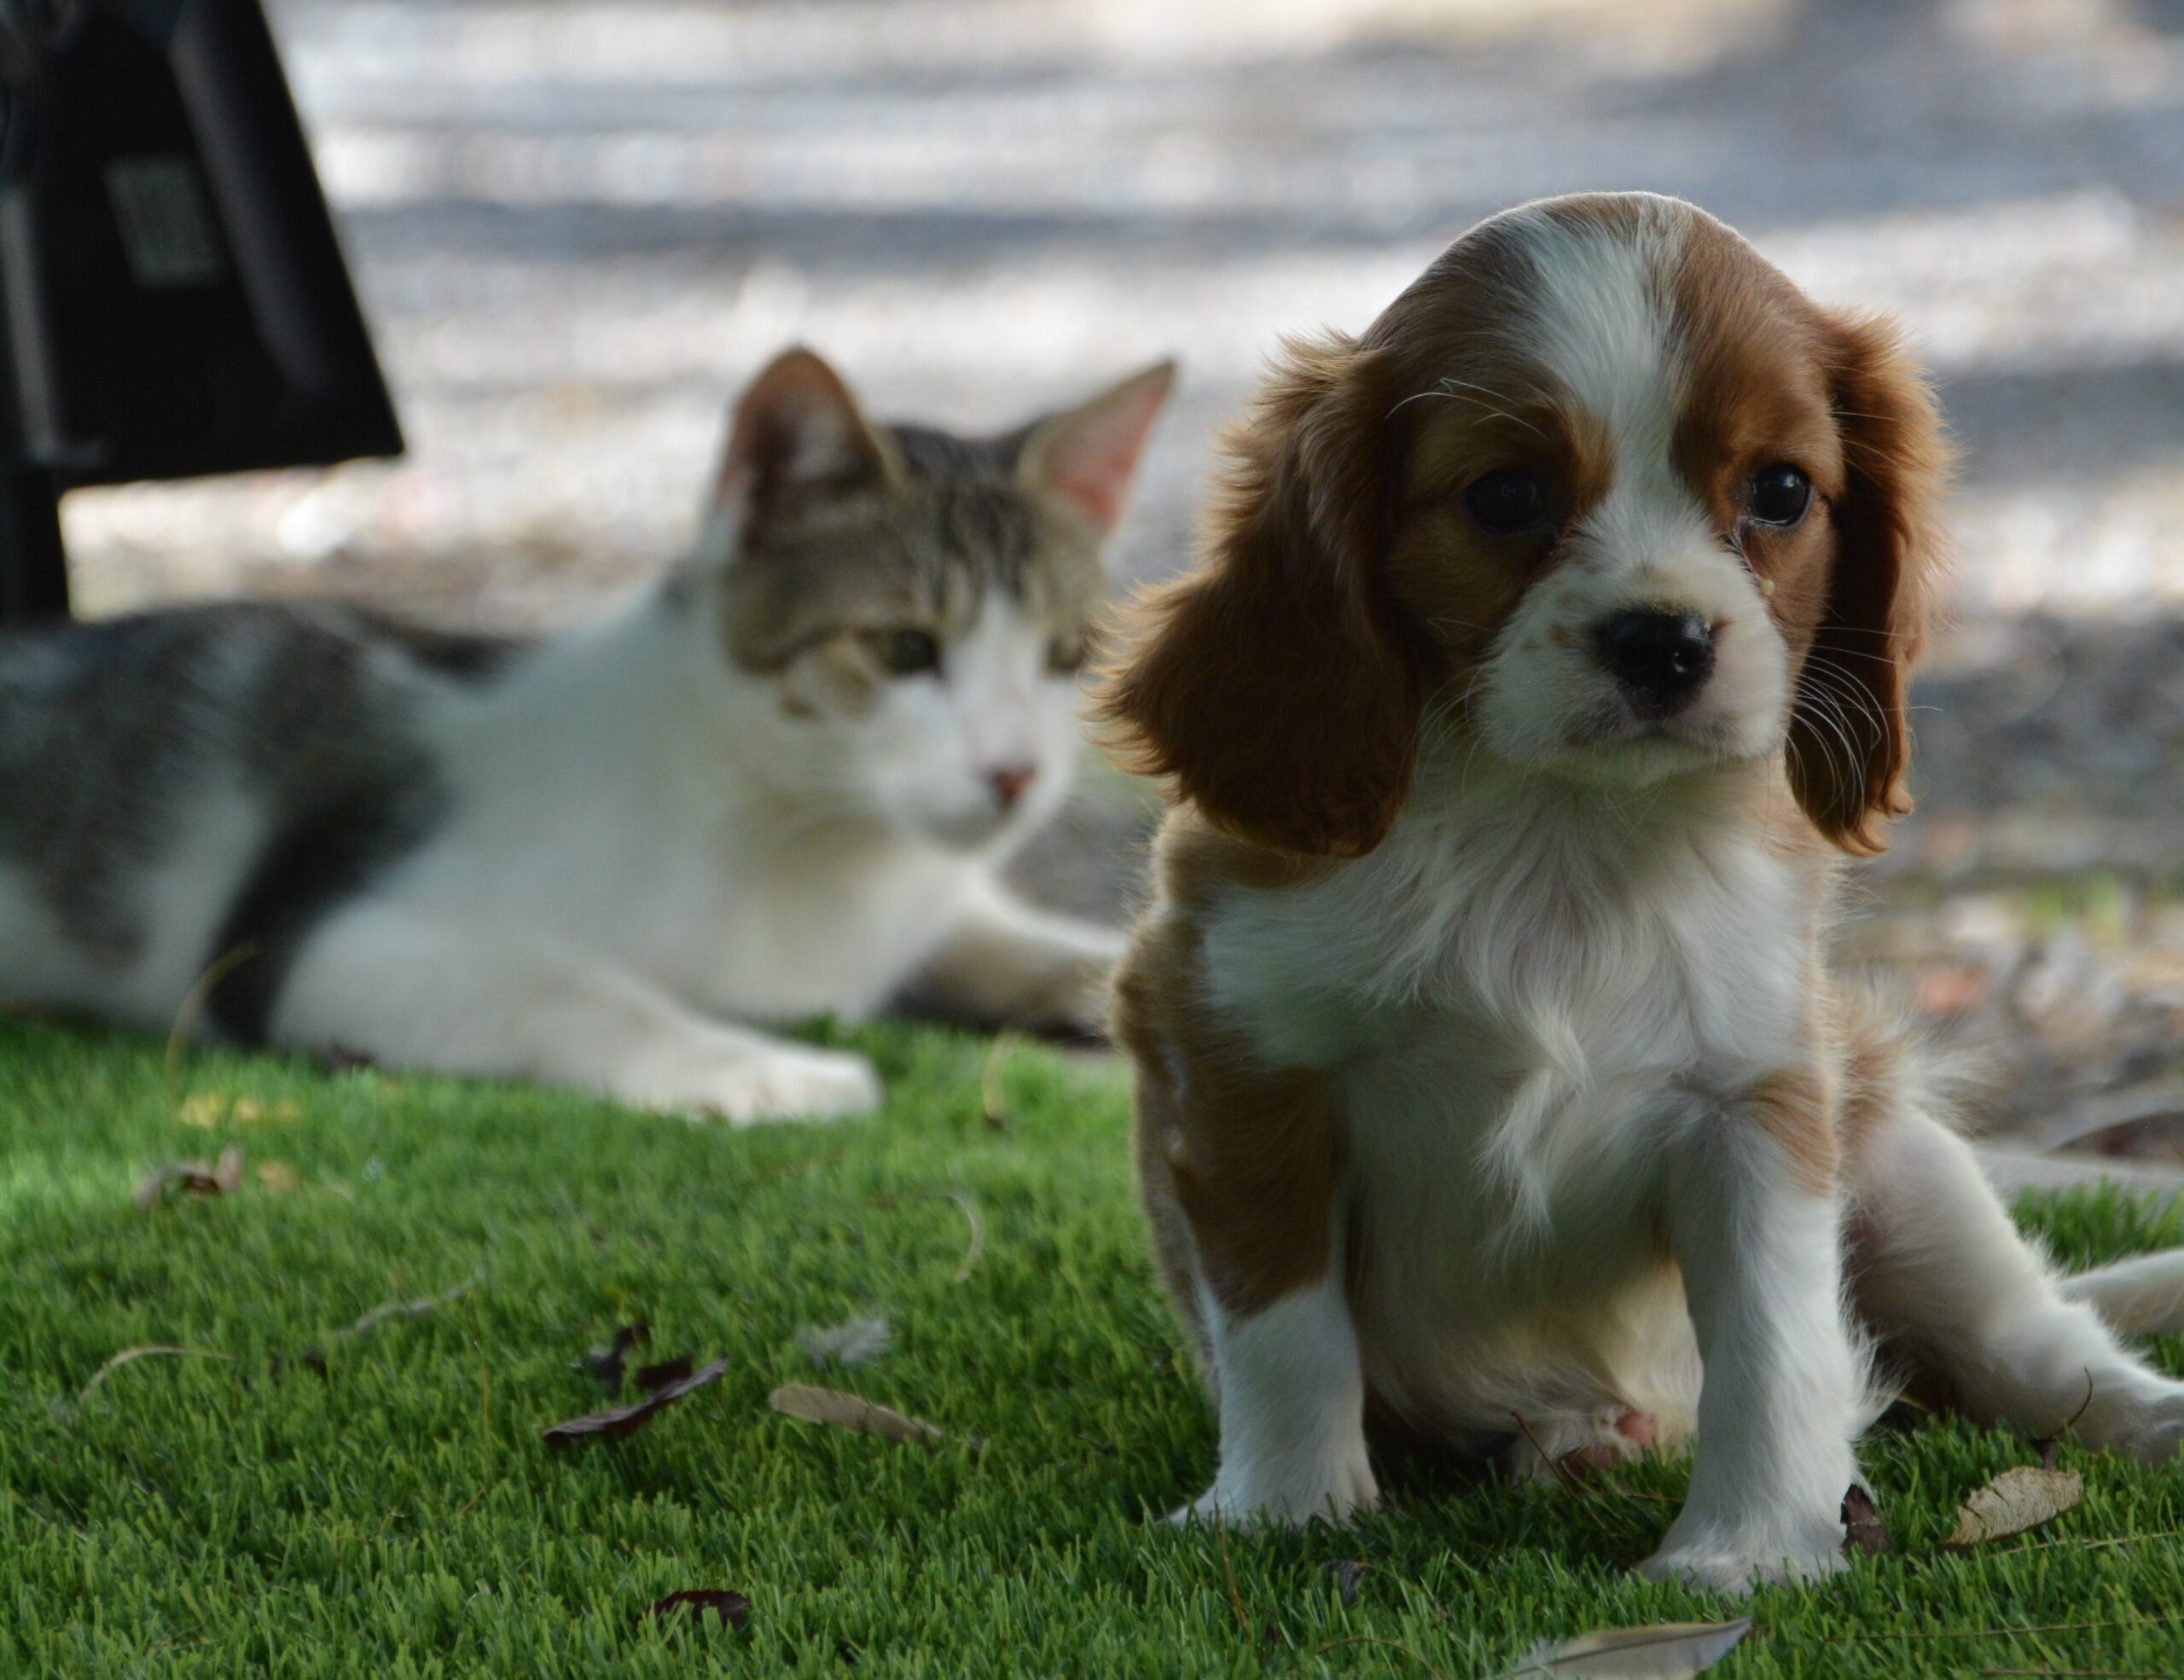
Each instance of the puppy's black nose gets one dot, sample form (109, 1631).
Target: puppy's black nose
(1663, 658)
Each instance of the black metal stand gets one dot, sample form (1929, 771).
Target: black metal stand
(33, 566)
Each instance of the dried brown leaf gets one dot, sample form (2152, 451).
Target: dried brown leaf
(223, 1177)
(850, 1411)
(278, 1176)
(1861, 1526)
(606, 1363)
(1668, 1651)
(619, 1420)
(1349, 1574)
(733, 1608)
(2020, 1498)
(651, 1377)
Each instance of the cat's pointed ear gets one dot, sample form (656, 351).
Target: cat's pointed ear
(796, 431)
(1083, 457)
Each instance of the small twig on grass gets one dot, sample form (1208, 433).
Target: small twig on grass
(2048, 1443)
(2083, 1673)
(1571, 1485)
(417, 1309)
(2001, 1632)
(1228, 1568)
(485, 1430)
(1416, 1656)
(963, 1200)
(194, 1001)
(129, 1355)
(993, 1099)
(2088, 1546)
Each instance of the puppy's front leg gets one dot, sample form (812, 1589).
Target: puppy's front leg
(1241, 1173)
(1754, 1225)
(1293, 1411)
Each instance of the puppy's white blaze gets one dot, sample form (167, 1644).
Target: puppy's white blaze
(1601, 329)
(1599, 325)
(1292, 1409)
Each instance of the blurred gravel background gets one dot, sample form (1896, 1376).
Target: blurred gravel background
(575, 227)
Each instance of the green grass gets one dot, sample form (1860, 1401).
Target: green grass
(399, 1515)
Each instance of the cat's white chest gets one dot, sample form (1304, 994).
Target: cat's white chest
(827, 928)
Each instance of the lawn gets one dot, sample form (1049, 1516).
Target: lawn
(390, 1508)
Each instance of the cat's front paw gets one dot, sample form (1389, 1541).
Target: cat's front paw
(786, 1083)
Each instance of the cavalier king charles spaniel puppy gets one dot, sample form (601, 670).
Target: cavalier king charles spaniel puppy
(1492, 1087)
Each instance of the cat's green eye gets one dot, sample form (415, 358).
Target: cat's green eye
(908, 651)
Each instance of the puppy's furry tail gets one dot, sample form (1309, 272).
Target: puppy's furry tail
(2139, 1297)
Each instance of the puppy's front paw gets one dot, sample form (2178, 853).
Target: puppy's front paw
(1737, 1566)
(1333, 1492)
(786, 1082)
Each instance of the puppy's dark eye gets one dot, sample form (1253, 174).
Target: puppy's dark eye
(1780, 494)
(1064, 658)
(1508, 501)
(907, 652)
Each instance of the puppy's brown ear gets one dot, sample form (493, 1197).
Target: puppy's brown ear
(1849, 740)
(1275, 682)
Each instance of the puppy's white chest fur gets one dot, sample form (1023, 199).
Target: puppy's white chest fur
(1512, 1002)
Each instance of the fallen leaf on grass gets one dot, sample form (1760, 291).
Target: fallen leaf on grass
(850, 1411)
(1349, 1574)
(1669, 1651)
(223, 1177)
(1861, 1526)
(2017, 1500)
(858, 1341)
(733, 1608)
(278, 1176)
(619, 1420)
(202, 1109)
(652, 1377)
(206, 1109)
(606, 1363)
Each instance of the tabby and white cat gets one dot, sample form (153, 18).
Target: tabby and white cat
(779, 783)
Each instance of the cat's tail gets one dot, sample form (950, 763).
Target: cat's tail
(2143, 1296)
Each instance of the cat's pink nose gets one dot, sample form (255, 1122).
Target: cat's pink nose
(1010, 782)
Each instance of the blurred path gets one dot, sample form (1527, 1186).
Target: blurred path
(577, 227)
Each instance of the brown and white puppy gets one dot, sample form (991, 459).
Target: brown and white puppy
(1492, 1082)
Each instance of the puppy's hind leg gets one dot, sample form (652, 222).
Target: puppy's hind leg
(1939, 1268)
